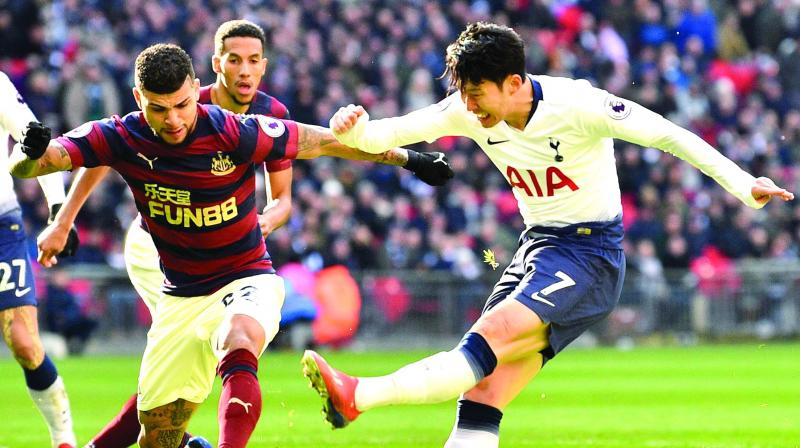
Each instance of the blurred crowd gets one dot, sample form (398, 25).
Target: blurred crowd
(729, 70)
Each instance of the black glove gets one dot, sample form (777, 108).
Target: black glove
(430, 167)
(35, 140)
(71, 246)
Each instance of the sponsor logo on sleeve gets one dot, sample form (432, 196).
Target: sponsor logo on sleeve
(81, 131)
(272, 127)
(617, 108)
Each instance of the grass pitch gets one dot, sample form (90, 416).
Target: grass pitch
(710, 396)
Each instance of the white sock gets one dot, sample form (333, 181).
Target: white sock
(54, 407)
(437, 378)
(472, 438)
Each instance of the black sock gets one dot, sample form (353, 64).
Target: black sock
(478, 416)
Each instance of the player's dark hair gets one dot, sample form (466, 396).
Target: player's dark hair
(237, 28)
(163, 68)
(484, 52)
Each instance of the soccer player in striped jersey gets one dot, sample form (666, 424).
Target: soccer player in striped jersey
(240, 64)
(552, 139)
(190, 169)
(18, 314)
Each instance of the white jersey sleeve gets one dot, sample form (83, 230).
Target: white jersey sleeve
(14, 113)
(14, 118)
(606, 115)
(426, 124)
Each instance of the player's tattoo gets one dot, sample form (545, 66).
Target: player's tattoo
(180, 413)
(316, 141)
(169, 438)
(166, 424)
(176, 412)
(55, 158)
(312, 138)
(394, 156)
(62, 151)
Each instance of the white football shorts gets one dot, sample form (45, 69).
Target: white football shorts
(185, 340)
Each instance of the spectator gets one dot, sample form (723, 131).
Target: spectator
(64, 314)
(91, 95)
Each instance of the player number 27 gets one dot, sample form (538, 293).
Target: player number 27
(5, 274)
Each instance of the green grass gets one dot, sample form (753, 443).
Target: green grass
(711, 396)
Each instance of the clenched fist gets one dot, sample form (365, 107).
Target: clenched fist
(35, 140)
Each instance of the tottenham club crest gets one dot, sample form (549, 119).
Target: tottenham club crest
(617, 108)
(222, 165)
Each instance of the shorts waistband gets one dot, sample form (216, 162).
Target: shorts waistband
(606, 234)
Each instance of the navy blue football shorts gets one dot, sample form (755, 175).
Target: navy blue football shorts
(571, 277)
(16, 276)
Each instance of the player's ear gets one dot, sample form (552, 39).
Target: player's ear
(138, 97)
(216, 64)
(515, 82)
(196, 88)
(266, 63)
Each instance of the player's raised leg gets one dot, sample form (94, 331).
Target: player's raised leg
(499, 336)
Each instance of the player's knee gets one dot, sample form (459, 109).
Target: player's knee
(29, 355)
(496, 329)
(238, 341)
(245, 333)
(509, 340)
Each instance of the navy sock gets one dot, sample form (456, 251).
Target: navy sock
(480, 356)
(478, 416)
(41, 377)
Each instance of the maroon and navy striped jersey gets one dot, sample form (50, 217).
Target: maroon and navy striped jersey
(262, 104)
(197, 199)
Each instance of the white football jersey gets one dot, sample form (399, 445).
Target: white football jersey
(561, 167)
(14, 117)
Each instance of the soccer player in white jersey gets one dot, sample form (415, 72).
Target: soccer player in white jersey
(552, 140)
(18, 314)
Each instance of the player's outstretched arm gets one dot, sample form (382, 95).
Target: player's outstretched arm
(37, 155)
(316, 141)
(431, 167)
(54, 239)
